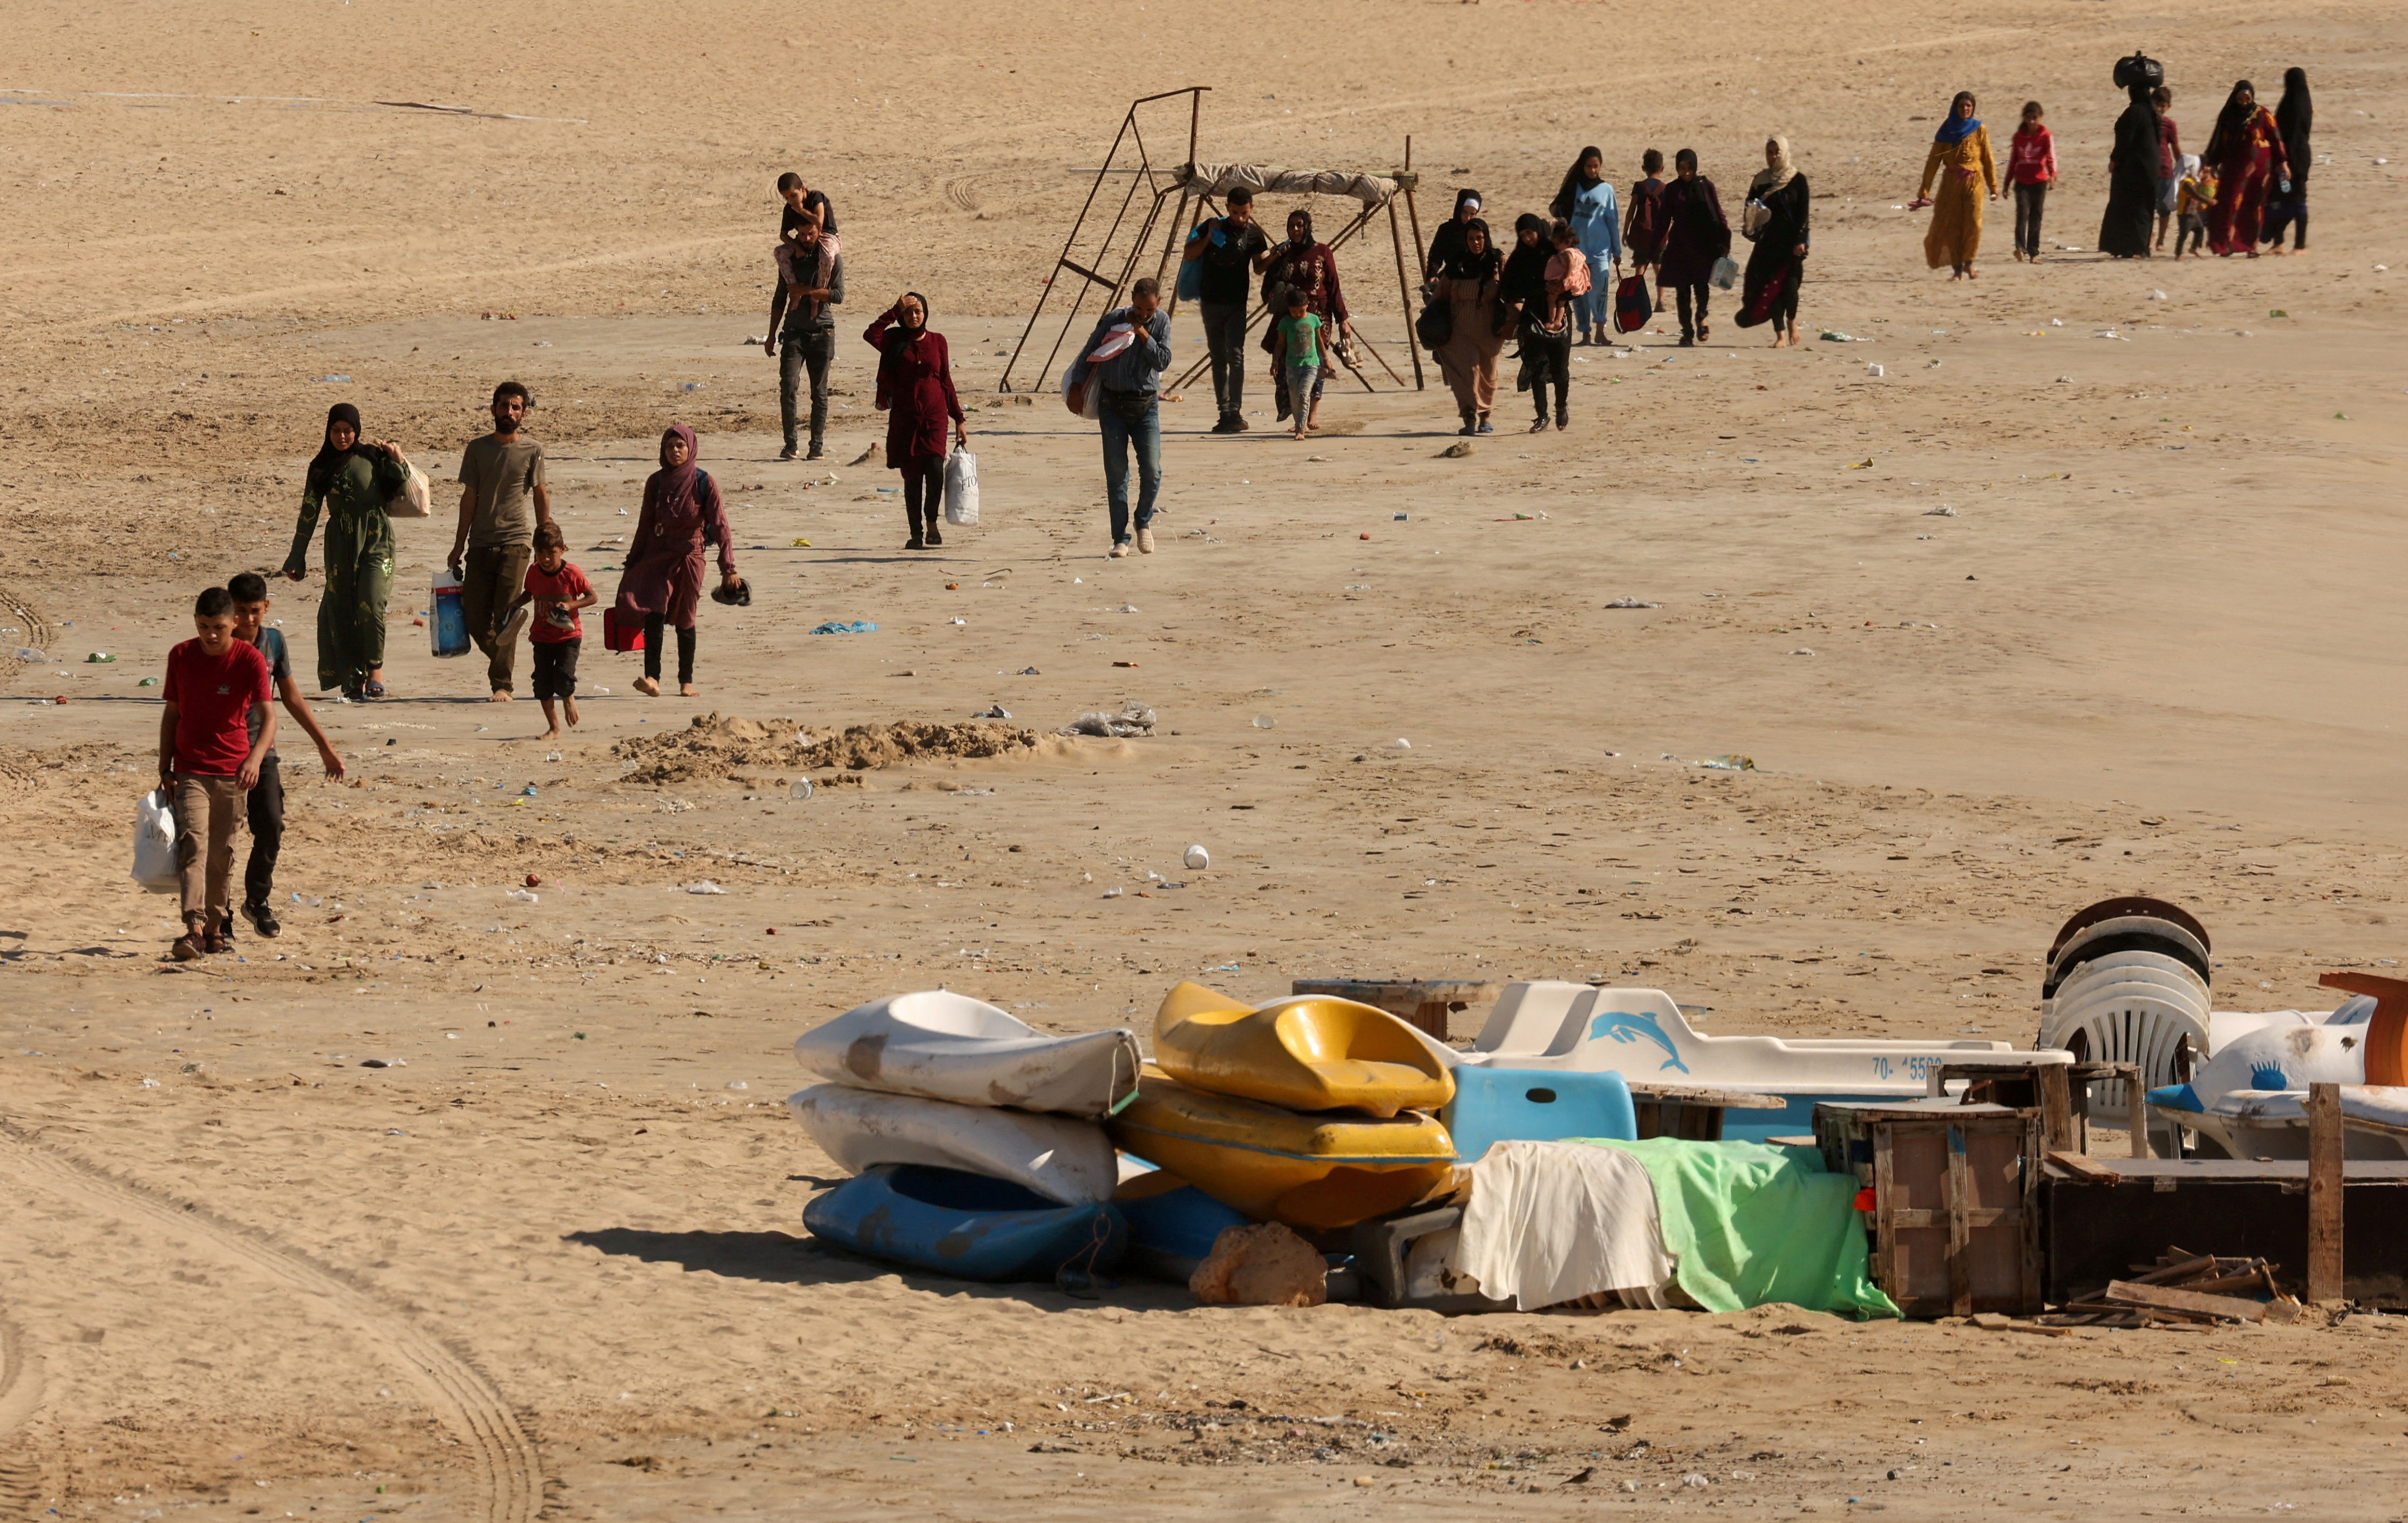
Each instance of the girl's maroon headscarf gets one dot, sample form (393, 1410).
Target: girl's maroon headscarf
(676, 483)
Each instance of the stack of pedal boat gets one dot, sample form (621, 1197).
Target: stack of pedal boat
(976, 1140)
(1315, 1112)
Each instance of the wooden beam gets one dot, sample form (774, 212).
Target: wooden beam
(2087, 1170)
(2158, 1298)
(1958, 1193)
(2324, 1192)
(2055, 1109)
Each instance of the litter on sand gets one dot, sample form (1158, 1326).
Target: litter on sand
(837, 627)
(1135, 719)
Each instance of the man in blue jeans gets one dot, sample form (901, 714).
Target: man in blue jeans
(1231, 249)
(1125, 358)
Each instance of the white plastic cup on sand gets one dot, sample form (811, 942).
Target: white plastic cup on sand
(1197, 858)
(800, 789)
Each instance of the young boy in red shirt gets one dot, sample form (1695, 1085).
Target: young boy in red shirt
(210, 759)
(558, 591)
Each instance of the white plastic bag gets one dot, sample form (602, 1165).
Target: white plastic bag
(961, 489)
(154, 842)
(416, 498)
(1091, 407)
(1725, 273)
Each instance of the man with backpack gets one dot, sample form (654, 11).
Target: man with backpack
(1231, 250)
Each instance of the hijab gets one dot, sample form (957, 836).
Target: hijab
(328, 462)
(2232, 121)
(674, 487)
(1955, 129)
(1575, 182)
(901, 336)
(1463, 264)
(1467, 196)
(1526, 267)
(2297, 114)
(1773, 175)
(1304, 239)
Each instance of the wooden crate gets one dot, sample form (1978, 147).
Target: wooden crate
(1956, 1218)
(1426, 1002)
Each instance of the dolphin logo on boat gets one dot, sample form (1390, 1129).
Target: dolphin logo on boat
(1624, 1026)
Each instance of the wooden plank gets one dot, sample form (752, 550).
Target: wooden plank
(2324, 1192)
(1884, 1263)
(2055, 1109)
(2085, 1169)
(1961, 1246)
(2158, 1298)
(2136, 1109)
(2029, 1294)
(2181, 1269)
(1993, 1322)
(1729, 1100)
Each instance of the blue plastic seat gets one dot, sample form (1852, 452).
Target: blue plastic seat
(1535, 1105)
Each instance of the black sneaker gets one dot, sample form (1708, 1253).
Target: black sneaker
(788, 453)
(263, 920)
(1230, 423)
(817, 453)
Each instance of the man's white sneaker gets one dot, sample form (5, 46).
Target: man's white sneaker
(1145, 542)
(1120, 552)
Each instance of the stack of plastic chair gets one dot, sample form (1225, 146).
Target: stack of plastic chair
(976, 1140)
(2127, 982)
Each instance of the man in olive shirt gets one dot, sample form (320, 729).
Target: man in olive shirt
(502, 500)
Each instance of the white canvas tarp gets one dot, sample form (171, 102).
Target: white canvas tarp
(1554, 1222)
(1219, 179)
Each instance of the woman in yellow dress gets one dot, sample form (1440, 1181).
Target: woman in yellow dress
(1961, 149)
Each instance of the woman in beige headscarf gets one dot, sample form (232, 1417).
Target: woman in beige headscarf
(1775, 220)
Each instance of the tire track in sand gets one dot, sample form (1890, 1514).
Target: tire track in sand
(20, 1397)
(507, 1474)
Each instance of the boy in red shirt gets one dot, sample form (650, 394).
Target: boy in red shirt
(210, 759)
(558, 591)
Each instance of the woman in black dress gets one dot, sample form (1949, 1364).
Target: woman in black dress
(2294, 118)
(1696, 234)
(2133, 169)
(1778, 204)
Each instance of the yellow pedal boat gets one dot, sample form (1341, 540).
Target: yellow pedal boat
(1310, 1172)
(1308, 1052)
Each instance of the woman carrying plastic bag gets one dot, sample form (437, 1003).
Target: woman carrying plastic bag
(961, 488)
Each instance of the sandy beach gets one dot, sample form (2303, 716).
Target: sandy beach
(2091, 591)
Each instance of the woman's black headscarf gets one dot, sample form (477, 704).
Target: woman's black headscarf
(1305, 240)
(1463, 264)
(2296, 115)
(902, 334)
(1525, 277)
(1467, 193)
(328, 462)
(2231, 121)
(1574, 182)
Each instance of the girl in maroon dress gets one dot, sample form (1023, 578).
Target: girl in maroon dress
(661, 586)
(915, 391)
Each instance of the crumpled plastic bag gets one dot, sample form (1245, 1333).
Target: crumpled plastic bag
(1134, 720)
(154, 844)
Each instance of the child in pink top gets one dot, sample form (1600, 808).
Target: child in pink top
(2031, 169)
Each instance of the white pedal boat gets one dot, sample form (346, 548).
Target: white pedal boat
(946, 1046)
(1058, 1158)
(2250, 1099)
(1545, 1023)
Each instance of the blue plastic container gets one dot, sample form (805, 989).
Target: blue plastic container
(446, 617)
(1536, 1105)
(967, 1225)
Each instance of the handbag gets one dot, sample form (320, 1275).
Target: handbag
(621, 632)
(414, 499)
(1632, 307)
(1435, 326)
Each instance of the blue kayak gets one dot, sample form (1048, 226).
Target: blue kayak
(967, 1225)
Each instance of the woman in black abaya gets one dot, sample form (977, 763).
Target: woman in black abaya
(2132, 168)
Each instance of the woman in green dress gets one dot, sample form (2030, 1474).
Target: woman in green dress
(351, 479)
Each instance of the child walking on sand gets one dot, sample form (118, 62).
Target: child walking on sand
(1295, 352)
(559, 592)
(2031, 170)
(208, 757)
(2196, 194)
(266, 806)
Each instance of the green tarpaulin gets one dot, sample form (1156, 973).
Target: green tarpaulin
(1752, 1223)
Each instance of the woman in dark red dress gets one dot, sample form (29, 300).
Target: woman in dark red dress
(915, 391)
(661, 586)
